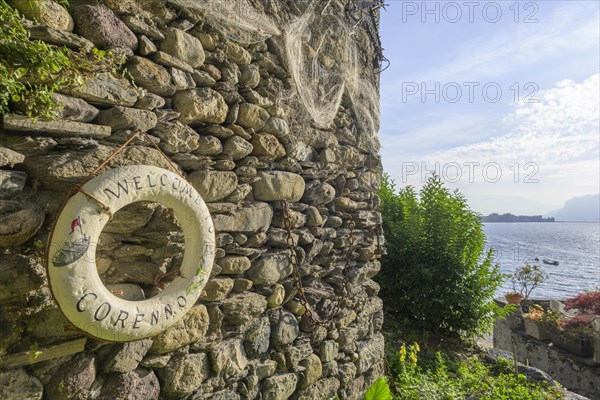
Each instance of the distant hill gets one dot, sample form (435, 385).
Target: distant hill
(495, 217)
(584, 208)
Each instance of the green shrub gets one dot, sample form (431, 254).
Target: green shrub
(436, 273)
(439, 376)
(31, 70)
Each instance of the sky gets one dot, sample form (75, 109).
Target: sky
(500, 98)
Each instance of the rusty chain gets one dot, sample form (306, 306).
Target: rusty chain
(311, 314)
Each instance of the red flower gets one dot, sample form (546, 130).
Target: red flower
(586, 303)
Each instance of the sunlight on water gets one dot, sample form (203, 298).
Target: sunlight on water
(575, 245)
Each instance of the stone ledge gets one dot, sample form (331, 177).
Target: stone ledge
(45, 354)
(58, 128)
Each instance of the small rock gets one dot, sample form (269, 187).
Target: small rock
(184, 46)
(184, 374)
(234, 265)
(11, 183)
(200, 106)
(318, 193)
(176, 137)
(230, 74)
(57, 128)
(270, 268)
(105, 88)
(140, 384)
(300, 151)
(125, 358)
(258, 337)
(208, 146)
(370, 352)
(150, 101)
(146, 46)
(252, 116)
(237, 148)
(168, 60)
(286, 330)
(213, 185)
(203, 79)
(329, 351)
(156, 360)
(536, 375)
(250, 76)
(333, 221)
(240, 193)
(277, 127)
(18, 224)
(46, 12)
(313, 371)
(243, 308)
(10, 158)
(228, 358)
(313, 217)
(58, 37)
(218, 131)
(17, 385)
(240, 285)
(248, 219)
(324, 388)
(74, 109)
(74, 377)
(191, 328)
(492, 355)
(148, 9)
(182, 80)
(142, 26)
(237, 54)
(213, 71)
(267, 145)
(100, 25)
(280, 387)
(278, 185)
(125, 118)
(150, 76)
(217, 289)
(276, 297)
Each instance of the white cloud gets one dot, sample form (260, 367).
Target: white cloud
(559, 136)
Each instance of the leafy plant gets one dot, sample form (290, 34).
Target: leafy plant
(437, 273)
(578, 327)
(548, 319)
(31, 70)
(443, 376)
(379, 390)
(586, 303)
(527, 278)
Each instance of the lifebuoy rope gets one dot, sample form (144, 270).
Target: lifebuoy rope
(78, 186)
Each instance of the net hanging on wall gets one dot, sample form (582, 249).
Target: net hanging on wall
(236, 19)
(318, 50)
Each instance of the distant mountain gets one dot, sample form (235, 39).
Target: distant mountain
(495, 217)
(584, 208)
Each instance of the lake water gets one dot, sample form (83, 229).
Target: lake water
(575, 245)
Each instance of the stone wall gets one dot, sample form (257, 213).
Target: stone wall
(226, 111)
(580, 375)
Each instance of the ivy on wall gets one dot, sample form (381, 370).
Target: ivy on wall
(31, 70)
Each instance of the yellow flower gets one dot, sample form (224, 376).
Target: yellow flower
(413, 358)
(402, 353)
(416, 347)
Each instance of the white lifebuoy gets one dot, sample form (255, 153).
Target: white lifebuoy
(72, 273)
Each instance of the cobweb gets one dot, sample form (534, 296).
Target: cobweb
(365, 104)
(236, 19)
(318, 51)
